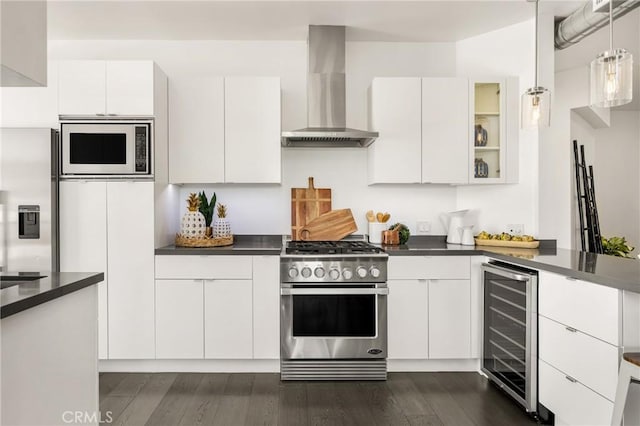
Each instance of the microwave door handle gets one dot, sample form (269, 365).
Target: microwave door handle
(333, 291)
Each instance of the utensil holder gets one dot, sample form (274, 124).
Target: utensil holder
(375, 232)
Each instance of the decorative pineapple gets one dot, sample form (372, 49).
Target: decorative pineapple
(193, 222)
(222, 228)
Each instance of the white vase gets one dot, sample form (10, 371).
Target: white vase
(222, 228)
(193, 225)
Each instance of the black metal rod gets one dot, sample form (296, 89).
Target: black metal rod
(596, 219)
(581, 197)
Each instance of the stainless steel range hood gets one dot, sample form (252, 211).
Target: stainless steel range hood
(326, 117)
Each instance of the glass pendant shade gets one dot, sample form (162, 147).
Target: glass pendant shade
(612, 78)
(535, 108)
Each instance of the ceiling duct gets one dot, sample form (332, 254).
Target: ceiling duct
(584, 22)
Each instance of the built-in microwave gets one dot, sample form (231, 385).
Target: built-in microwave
(103, 148)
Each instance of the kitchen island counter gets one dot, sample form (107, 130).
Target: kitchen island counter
(27, 294)
(610, 271)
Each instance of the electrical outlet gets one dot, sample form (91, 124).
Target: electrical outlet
(423, 227)
(515, 229)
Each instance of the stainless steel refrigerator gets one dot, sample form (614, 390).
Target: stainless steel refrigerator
(29, 183)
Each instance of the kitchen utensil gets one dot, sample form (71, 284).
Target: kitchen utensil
(467, 236)
(379, 217)
(386, 217)
(391, 237)
(331, 226)
(375, 232)
(453, 223)
(306, 205)
(370, 216)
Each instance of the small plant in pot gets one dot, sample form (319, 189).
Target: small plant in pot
(617, 246)
(207, 208)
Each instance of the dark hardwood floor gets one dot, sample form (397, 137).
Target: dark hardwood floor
(458, 399)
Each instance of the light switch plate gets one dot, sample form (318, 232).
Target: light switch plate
(423, 227)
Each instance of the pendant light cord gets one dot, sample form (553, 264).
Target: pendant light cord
(536, 49)
(610, 27)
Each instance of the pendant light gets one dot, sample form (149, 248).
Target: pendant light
(536, 100)
(611, 74)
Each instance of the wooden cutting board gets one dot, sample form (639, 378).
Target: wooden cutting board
(331, 226)
(306, 205)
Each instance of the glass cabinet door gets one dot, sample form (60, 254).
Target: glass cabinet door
(487, 144)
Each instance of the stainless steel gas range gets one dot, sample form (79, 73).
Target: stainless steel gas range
(333, 312)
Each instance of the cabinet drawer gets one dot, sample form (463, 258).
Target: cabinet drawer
(429, 267)
(591, 308)
(571, 402)
(203, 267)
(589, 360)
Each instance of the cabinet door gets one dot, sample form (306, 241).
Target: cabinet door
(179, 319)
(196, 130)
(487, 135)
(131, 273)
(129, 87)
(445, 130)
(395, 112)
(252, 130)
(449, 319)
(228, 328)
(83, 241)
(407, 319)
(266, 310)
(82, 87)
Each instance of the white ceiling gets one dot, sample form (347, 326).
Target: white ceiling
(412, 21)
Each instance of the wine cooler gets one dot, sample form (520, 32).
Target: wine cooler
(510, 340)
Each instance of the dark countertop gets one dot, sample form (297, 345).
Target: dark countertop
(242, 244)
(28, 294)
(611, 271)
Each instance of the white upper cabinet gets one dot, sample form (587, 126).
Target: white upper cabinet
(445, 119)
(106, 87)
(493, 130)
(428, 131)
(396, 114)
(196, 130)
(252, 130)
(129, 87)
(225, 130)
(82, 87)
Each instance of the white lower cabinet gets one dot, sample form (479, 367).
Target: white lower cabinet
(449, 319)
(179, 319)
(429, 307)
(407, 319)
(572, 402)
(228, 324)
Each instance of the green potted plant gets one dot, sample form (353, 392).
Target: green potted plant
(617, 246)
(207, 208)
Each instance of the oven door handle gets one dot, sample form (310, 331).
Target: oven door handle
(333, 291)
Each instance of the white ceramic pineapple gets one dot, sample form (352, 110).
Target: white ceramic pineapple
(193, 222)
(222, 228)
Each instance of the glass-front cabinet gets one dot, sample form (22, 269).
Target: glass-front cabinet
(487, 134)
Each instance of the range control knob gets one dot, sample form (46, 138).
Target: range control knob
(361, 272)
(293, 272)
(347, 274)
(319, 272)
(334, 274)
(374, 271)
(306, 272)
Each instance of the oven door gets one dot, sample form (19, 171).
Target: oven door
(334, 322)
(105, 148)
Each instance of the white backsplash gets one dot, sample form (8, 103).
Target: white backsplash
(266, 209)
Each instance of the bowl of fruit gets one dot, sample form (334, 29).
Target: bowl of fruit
(506, 240)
